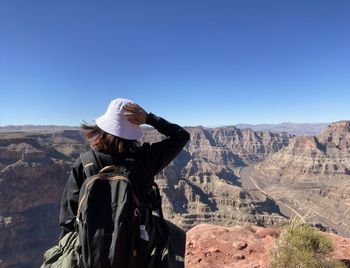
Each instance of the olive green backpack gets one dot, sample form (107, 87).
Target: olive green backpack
(65, 254)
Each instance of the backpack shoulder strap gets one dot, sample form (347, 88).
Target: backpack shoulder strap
(155, 200)
(90, 162)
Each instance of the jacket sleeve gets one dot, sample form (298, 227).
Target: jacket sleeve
(70, 198)
(158, 155)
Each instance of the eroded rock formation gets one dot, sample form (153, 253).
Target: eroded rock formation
(327, 155)
(34, 168)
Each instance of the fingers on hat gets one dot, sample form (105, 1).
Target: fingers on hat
(132, 119)
(132, 109)
(128, 106)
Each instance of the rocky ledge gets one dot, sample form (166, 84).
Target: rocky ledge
(213, 246)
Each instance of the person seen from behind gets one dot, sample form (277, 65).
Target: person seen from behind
(114, 141)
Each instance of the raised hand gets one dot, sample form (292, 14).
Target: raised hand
(135, 114)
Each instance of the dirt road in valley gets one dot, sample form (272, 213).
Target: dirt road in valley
(291, 199)
(246, 175)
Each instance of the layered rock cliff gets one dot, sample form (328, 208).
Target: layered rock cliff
(251, 146)
(337, 135)
(327, 155)
(34, 168)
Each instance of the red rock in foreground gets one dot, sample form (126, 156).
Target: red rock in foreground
(212, 246)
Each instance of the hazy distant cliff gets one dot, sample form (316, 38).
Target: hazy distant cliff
(291, 128)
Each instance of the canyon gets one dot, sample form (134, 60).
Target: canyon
(225, 176)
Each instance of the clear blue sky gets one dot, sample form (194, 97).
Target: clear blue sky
(194, 62)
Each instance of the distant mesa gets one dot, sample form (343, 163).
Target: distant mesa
(298, 129)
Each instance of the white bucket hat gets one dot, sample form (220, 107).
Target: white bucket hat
(114, 122)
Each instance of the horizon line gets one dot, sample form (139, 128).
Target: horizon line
(192, 125)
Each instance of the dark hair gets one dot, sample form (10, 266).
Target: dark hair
(106, 142)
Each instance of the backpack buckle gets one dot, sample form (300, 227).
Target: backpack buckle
(137, 212)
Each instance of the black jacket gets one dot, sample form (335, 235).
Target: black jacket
(149, 160)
